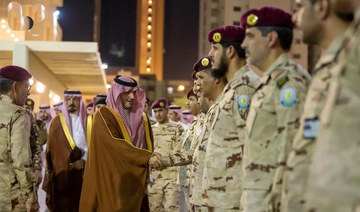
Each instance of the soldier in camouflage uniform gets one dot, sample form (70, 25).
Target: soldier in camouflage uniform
(164, 190)
(276, 105)
(334, 175)
(296, 171)
(17, 179)
(224, 152)
(209, 91)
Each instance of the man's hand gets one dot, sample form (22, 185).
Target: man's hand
(32, 207)
(155, 162)
(79, 164)
(38, 177)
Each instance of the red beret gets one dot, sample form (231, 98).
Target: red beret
(190, 93)
(193, 75)
(160, 103)
(267, 16)
(227, 34)
(202, 64)
(15, 73)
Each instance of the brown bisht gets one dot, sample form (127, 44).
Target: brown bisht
(62, 184)
(116, 171)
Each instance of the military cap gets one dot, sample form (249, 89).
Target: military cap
(160, 103)
(190, 93)
(15, 73)
(193, 75)
(227, 34)
(202, 64)
(267, 16)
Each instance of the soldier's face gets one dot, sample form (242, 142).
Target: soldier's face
(206, 83)
(256, 46)
(73, 103)
(306, 20)
(204, 103)
(193, 105)
(161, 115)
(21, 90)
(216, 53)
(173, 116)
(89, 110)
(127, 99)
(43, 115)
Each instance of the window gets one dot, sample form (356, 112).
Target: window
(236, 23)
(214, 26)
(297, 41)
(214, 12)
(237, 9)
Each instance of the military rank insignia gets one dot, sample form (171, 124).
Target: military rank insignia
(288, 97)
(205, 62)
(243, 102)
(252, 20)
(161, 104)
(217, 37)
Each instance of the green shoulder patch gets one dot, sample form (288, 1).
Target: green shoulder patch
(281, 81)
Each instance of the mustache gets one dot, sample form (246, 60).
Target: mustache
(72, 105)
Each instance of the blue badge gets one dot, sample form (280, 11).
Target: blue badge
(243, 102)
(311, 128)
(288, 97)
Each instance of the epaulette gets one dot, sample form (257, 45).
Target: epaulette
(281, 81)
(275, 74)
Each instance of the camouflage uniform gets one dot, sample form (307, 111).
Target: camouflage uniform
(335, 167)
(167, 138)
(183, 158)
(222, 174)
(295, 174)
(16, 167)
(273, 120)
(198, 163)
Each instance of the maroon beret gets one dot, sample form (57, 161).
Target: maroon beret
(193, 75)
(227, 34)
(160, 103)
(202, 64)
(267, 16)
(190, 93)
(15, 73)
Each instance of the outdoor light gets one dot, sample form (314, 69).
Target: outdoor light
(149, 18)
(149, 10)
(108, 86)
(181, 88)
(148, 61)
(56, 14)
(51, 95)
(150, 2)
(3, 26)
(104, 66)
(148, 70)
(31, 81)
(149, 36)
(56, 98)
(40, 88)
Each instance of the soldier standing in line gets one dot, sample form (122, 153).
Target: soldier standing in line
(17, 181)
(276, 106)
(164, 190)
(334, 174)
(222, 173)
(329, 29)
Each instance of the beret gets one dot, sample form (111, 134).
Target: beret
(227, 34)
(15, 73)
(202, 64)
(160, 103)
(267, 16)
(30, 102)
(190, 93)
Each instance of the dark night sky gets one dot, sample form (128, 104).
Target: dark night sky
(118, 32)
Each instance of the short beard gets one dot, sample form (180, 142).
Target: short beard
(221, 70)
(44, 118)
(71, 110)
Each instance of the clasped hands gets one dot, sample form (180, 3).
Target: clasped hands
(155, 162)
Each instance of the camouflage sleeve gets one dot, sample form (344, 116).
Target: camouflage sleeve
(21, 156)
(182, 156)
(288, 122)
(35, 146)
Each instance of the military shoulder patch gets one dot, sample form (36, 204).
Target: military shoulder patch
(243, 101)
(281, 81)
(288, 97)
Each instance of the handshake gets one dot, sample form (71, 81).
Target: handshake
(155, 162)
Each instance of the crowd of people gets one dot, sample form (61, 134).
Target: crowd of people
(260, 133)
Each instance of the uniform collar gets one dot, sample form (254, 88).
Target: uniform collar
(330, 54)
(280, 61)
(6, 98)
(236, 77)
